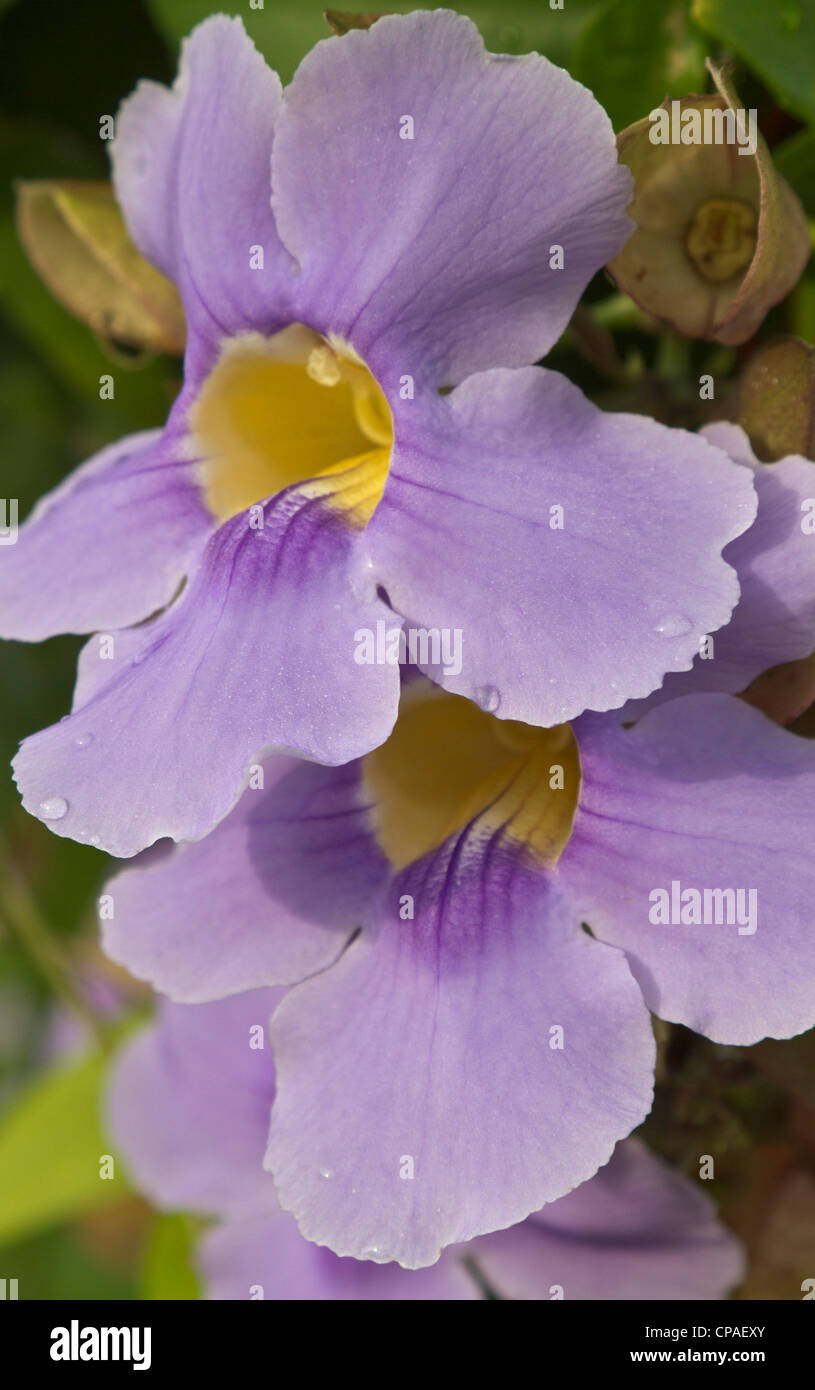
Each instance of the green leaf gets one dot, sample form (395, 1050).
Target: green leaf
(802, 303)
(795, 159)
(167, 1272)
(51, 1143)
(775, 37)
(636, 52)
(55, 1265)
(284, 32)
(526, 26)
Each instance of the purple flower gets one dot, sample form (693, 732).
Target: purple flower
(429, 898)
(189, 1106)
(432, 216)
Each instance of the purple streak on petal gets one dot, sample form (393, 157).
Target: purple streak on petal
(108, 546)
(257, 654)
(430, 1040)
(704, 791)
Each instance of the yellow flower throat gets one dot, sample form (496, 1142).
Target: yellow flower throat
(294, 408)
(448, 762)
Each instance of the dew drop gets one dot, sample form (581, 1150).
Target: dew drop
(54, 808)
(83, 740)
(326, 1172)
(673, 625)
(487, 698)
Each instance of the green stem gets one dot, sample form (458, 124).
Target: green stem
(21, 914)
(673, 357)
(619, 311)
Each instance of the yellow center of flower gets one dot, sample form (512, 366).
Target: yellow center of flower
(294, 408)
(447, 762)
(721, 238)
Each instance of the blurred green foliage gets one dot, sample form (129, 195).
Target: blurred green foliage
(776, 40)
(634, 53)
(63, 1232)
(167, 1273)
(284, 30)
(51, 1182)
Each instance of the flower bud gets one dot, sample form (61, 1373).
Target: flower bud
(75, 237)
(343, 21)
(776, 409)
(720, 237)
(776, 400)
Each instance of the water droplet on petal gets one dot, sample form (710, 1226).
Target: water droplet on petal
(370, 1253)
(674, 625)
(326, 1172)
(53, 808)
(83, 740)
(488, 698)
(94, 840)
